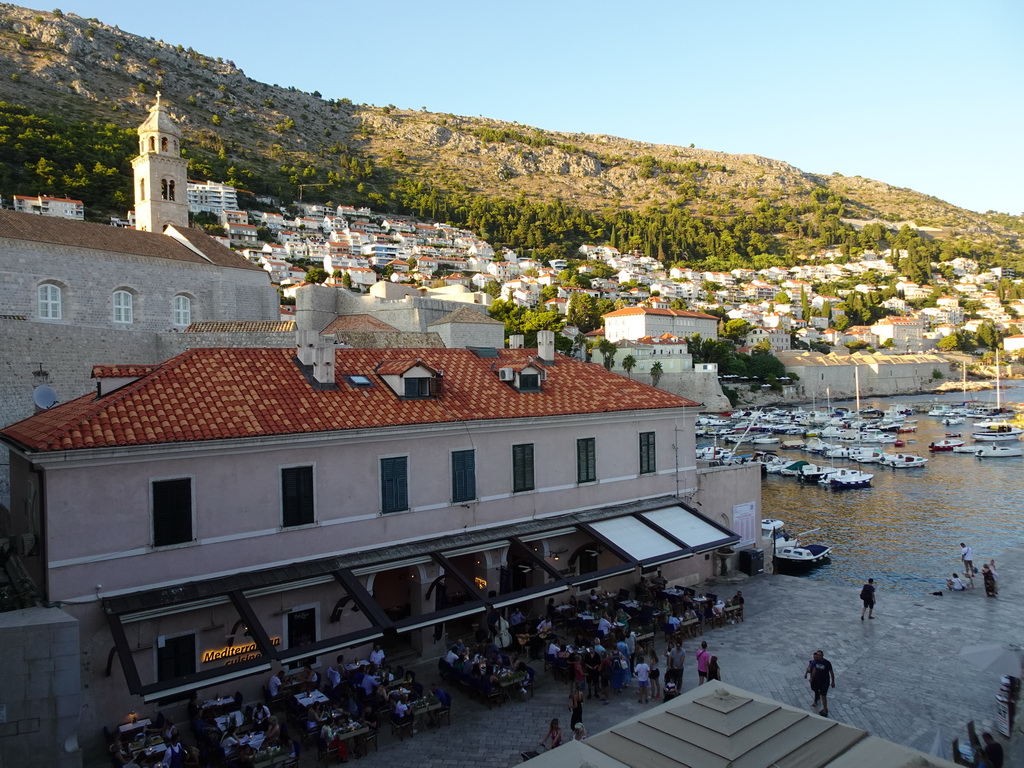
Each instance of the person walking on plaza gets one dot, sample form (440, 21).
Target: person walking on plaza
(676, 656)
(867, 596)
(714, 671)
(820, 670)
(653, 661)
(703, 657)
(643, 679)
(575, 707)
(967, 555)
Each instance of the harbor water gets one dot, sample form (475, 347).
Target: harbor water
(905, 530)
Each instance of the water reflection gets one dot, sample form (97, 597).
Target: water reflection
(906, 529)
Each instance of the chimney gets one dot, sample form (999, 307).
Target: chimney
(305, 343)
(323, 364)
(516, 341)
(546, 346)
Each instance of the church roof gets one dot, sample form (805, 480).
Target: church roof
(194, 246)
(159, 121)
(357, 323)
(465, 315)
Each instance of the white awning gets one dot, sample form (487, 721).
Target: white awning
(639, 541)
(695, 532)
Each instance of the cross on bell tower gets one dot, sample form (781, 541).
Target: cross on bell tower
(161, 183)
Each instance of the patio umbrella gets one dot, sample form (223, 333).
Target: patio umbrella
(994, 657)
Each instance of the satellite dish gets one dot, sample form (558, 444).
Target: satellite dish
(44, 397)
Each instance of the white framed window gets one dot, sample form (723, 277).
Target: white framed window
(50, 302)
(182, 310)
(122, 307)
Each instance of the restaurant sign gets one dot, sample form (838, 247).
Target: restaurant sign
(232, 654)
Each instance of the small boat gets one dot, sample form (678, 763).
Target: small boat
(999, 451)
(999, 431)
(849, 478)
(866, 455)
(790, 553)
(971, 449)
(792, 445)
(946, 445)
(954, 434)
(952, 421)
(903, 460)
(765, 441)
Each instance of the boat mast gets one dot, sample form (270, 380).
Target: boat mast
(999, 389)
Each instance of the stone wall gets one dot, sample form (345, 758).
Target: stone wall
(41, 682)
(701, 387)
(462, 335)
(88, 279)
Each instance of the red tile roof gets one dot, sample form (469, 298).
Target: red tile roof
(224, 393)
(627, 311)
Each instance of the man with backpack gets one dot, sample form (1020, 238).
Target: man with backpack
(867, 596)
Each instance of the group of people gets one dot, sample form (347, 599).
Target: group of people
(988, 574)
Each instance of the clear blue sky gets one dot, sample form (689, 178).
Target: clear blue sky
(921, 94)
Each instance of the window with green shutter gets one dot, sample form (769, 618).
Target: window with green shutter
(463, 475)
(172, 512)
(522, 467)
(394, 484)
(647, 463)
(586, 460)
(296, 496)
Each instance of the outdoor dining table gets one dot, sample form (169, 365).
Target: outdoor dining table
(353, 666)
(134, 726)
(313, 697)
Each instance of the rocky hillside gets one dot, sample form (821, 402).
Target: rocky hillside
(271, 138)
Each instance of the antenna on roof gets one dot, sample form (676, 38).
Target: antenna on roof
(44, 398)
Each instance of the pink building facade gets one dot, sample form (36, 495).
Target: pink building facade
(230, 509)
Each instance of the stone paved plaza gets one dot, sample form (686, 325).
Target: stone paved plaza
(898, 676)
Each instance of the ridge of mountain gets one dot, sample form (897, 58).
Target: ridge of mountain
(276, 137)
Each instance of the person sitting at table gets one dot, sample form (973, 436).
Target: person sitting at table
(673, 621)
(310, 676)
(333, 674)
(331, 735)
(170, 730)
(377, 655)
(174, 752)
(368, 683)
(622, 619)
(451, 657)
(563, 652)
(737, 599)
(119, 754)
(230, 742)
(192, 758)
(545, 626)
(553, 649)
(689, 614)
(400, 709)
(260, 717)
(273, 735)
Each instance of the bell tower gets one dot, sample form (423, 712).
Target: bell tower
(161, 184)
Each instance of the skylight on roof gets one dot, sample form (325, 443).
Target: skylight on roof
(359, 381)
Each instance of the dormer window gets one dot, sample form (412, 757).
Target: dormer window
(411, 379)
(529, 382)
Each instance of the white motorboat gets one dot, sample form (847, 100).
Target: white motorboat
(713, 453)
(998, 431)
(971, 448)
(790, 553)
(952, 421)
(866, 455)
(839, 452)
(848, 478)
(948, 444)
(999, 451)
(903, 460)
